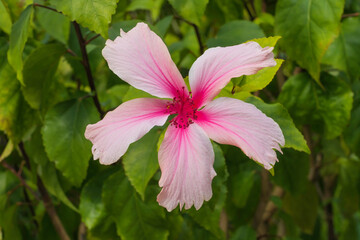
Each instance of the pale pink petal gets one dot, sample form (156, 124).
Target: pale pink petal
(126, 124)
(141, 58)
(215, 68)
(234, 122)
(186, 160)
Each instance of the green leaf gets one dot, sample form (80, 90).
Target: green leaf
(292, 171)
(7, 151)
(293, 138)
(134, 218)
(40, 88)
(267, 41)
(63, 135)
(259, 80)
(46, 169)
(308, 27)
(20, 32)
(92, 208)
(141, 161)
(93, 14)
(163, 25)
(307, 103)
(344, 52)
(5, 19)
(153, 5)
(191, 10)
(55, 24)
(16, 116)
(208, 216)
(236, 32)
(9, 223)
(303, 208)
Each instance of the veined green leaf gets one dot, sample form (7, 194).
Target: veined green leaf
(20, 32)
(191, 10)
(64, 141)
(308, 27)
(93, 14)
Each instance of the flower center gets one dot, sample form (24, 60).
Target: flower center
(184, 107)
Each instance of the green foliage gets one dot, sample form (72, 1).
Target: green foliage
(5, 19)
(93, 14)
(308, 31)
(40, 88)
(191, 10)
(64, 141)
(331, 107)
(50, 86)
(20, 32)
(49, 19)
(236, 32)
(344, 52)
(134, 218)
(140, 162)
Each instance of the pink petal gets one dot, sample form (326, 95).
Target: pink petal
(186, 160)
(126, 124)
(234, 122)
(215, 68)
(141, 58)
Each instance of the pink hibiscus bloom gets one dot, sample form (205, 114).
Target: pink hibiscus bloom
(186, 156)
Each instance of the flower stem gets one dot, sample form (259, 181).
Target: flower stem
(197, 32)
(86, 64)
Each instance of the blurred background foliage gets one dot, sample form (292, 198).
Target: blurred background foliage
(54, 81)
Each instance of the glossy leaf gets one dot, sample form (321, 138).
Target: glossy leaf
(236, 32)
(16, 116)
(93, 14)
(308, 27)
(303, 208)
(92, 208)
(191, 10)
(344, 52)
(46, 169)
(55, 24)
(20, 32)
(5, 19)
(64, 141)
(40, 86)
(134, 218)
(141, 161)
(329, 108)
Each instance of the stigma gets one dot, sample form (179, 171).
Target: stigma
(182, 105)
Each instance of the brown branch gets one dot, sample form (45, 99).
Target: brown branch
(49, 207)
(86, 64)
(22, 181)
(42, 6)
(350, 15)
(91, 39)
(252, 17)
(71, 52)
(197, 32)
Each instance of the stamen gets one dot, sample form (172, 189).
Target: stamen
(183, 106)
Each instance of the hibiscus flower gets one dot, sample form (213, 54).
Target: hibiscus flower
(186, 156)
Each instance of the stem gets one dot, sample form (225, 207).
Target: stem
(42, 6)
(22, 181)
(197, 32)
(248, 10)
(93, 38)
(49, 207)
(350, 15)
(86, 64)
